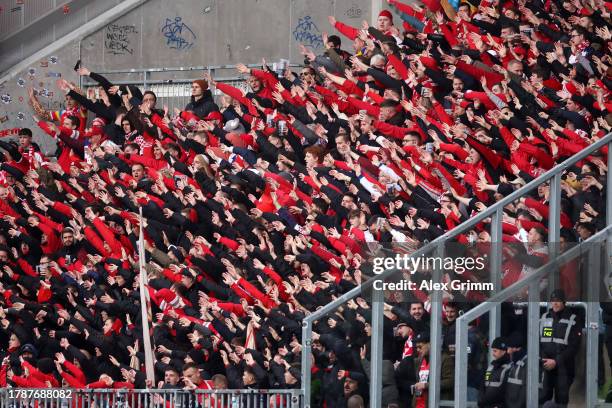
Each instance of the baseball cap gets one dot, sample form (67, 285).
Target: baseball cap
(499, 343)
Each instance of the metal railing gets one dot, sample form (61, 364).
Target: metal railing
(436, 247)
(172, 86)
(531, 282)
(147, 398)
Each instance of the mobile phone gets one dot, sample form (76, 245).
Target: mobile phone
(379, 223)
(77, 65)
(429, 147)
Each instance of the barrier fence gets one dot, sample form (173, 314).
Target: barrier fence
(148, 398)
(597, 248)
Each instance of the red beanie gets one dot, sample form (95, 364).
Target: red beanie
(202, 83)
(215, 115)
(386, 13)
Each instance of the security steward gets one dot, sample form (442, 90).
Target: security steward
(516, 388)
(560, 337)
(493, 390)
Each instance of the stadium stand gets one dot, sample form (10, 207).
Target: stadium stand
(260, 207)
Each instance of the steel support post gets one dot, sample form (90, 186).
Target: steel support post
(376, 350)
(495, 271)
(592, 323)
(306, 360)
(554, 226)
(533, 344)
(435, 352)
(461, 362)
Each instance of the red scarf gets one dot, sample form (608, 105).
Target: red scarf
(408, 348)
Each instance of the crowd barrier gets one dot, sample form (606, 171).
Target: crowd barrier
(147, 398)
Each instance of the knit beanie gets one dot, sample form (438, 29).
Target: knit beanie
(202, 83)
(386, 13)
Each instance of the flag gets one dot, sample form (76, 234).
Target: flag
(145, 308)
(450, 7)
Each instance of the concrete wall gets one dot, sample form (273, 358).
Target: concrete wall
(214, 32)
(28, 26)
(45, 74)
(184, 33)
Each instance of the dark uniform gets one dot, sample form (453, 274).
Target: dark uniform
(516, 388)
(493, 389)
(559, 340)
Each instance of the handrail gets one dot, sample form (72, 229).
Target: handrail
(495, 211)
(172, 69)
(470, 223)
(530, 282)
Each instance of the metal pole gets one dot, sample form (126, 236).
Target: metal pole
(495, 271)
(554, 222)
(146, 334)
(376, 9)
(592, 326)
(609, 187)
(608, 242)
(533, 344)
(376, 352)
(306, 360)
(461, 362)
(435, 352)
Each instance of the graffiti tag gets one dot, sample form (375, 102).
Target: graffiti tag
(178, 34)
(354, 12)
(117, 40)
(306, 32)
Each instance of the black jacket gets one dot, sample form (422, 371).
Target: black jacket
(493, 390)
(560, 337)
(203, 106)
(516, 381)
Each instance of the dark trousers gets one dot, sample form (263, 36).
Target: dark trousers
(557, 382)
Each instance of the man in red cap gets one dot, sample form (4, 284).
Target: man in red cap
(384, 24)
(384, 21)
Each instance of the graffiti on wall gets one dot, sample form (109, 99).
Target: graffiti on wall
(306, 32)
(354, 11)
(178, 35)
(118, 39)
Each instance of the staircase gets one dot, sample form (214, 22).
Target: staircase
(35, 29)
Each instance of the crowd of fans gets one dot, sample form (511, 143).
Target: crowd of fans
(259, 206)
